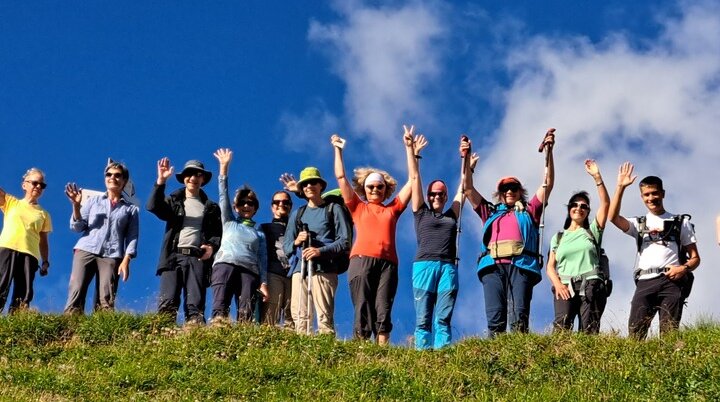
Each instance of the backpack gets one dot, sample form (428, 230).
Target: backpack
(603, 260)
(342, 260)
(670, 234)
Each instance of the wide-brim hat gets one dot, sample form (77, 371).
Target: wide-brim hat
(194, 164)
(507, 180)
(307, 174)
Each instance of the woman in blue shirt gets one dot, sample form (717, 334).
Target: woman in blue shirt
(109, 224)
(240, 266)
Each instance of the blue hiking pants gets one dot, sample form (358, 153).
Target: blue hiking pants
(508, 291)
(435, 286)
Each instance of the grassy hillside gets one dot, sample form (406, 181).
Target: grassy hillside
(127, 357)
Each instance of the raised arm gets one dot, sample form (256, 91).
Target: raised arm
(470, 192)
(625, 178)
(78, 223)
(594, 170)
(543, 193)
(2, 197)
(157, 204)
(412, 153)
(466, 168)
(345, 188)
(224, 157)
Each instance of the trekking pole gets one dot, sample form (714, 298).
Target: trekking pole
(308, 296)
(463, 172)
(544, 147)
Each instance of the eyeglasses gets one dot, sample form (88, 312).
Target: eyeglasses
(311, 182)
(37, 184)
(113, 175)
(286, 203)
(581, 205)
(436, 194)
(246, 203)
(504, 188)
(379, 187)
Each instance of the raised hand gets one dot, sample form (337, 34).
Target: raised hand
(592, 168)
(465, 146)
(625, 175)
(289, 182)
(337, 141)
(549, 140)
(164, 170)
(223, 155)
(408, 135)
(73, 193)
(419, 143)
(474, 158)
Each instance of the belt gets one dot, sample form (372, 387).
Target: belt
(190, 251)
(647, 271)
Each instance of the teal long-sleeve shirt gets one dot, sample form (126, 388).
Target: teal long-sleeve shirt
(241, 243)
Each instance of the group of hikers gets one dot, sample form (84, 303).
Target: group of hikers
(292, 263)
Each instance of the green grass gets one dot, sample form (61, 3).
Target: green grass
(128, 357)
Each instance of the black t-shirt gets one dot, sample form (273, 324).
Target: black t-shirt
(436, 234)
(274, 235)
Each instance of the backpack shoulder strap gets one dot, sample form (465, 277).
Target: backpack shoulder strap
(642, 228)
(298, 215)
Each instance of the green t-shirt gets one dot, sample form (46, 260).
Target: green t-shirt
(577, 253)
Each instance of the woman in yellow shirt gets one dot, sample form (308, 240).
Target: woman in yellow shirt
(23, 240)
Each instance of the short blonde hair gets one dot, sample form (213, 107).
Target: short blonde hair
(363, 172)
(33, 170)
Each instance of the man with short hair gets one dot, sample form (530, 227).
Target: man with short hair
(192, 235)
(667, 255)
(277, 309)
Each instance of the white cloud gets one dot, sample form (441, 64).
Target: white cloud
(658, 107)
(388, 57)
(314, 126)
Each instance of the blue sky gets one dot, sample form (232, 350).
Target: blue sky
(80, 82)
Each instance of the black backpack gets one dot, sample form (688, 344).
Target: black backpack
(340, 261)
(671, 233)
(604, 261)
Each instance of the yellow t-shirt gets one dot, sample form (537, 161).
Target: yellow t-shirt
(22, 226)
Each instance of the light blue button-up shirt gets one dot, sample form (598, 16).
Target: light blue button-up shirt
(106, 231)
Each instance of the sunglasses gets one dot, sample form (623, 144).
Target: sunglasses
(191, 173)
(246, 203)
(113, 175)
(436, 194)
(311, 182)
(37, 184)
(379, 187)
(504, 188)
(581, 205)
(282, 202)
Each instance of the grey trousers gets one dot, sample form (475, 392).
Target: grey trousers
(277, 308)
(85, 267)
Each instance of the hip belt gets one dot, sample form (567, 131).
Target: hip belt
(190, 251)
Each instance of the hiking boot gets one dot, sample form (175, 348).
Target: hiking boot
(220, 322)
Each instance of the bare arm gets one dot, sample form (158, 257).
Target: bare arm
(413, 168)
(470, 192)
(593, 170)
(345, 187)
(561, 290)
(44, 253)
(2, 197)
(543, 193)
(625, 178)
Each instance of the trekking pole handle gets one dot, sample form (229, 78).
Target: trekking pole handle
(464, 138)
(544, 143)
(307, 230)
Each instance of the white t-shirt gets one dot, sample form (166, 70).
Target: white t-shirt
(655, 251)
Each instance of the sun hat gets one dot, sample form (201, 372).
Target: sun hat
(194, 164)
